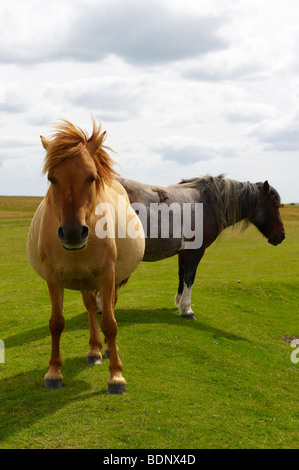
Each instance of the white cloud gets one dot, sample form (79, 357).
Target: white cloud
(117, 98)
(247, 111)
(279, 134)
(14, 100)
(229, 65)
(188, 151)
(183, 88)
(32, 31)
(186, 155)
(141, 33)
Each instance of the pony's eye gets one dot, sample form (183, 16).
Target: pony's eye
(91, 179)
(52, 179)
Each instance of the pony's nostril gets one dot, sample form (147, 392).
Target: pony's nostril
(84, 232)
(61, 234)
(71, 236)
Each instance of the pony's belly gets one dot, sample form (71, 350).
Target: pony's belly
(81, 284)
(77, 276)
(157, 249)
(129, 254)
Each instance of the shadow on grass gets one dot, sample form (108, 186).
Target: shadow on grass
(123, 317)
(78, 322)
(169, 316)
(24, 401)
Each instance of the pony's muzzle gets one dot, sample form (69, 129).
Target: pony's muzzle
(73, 237)
(277, 239)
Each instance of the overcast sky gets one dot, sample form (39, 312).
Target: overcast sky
(182, 87)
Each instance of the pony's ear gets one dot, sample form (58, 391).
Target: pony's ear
(95, 142)
(45, 142)
(266, 187)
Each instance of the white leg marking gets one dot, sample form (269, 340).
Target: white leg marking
(177, 299)
(185, 301)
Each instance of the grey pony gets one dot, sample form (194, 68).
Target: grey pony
(225, 203)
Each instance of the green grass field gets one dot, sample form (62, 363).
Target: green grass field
(223, 381)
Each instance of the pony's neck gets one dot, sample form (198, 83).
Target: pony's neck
(239, 202)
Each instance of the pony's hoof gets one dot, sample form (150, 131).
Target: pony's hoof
(116, 389)
(93, 360)
(56, 383)
(189, 317)
(106, 354)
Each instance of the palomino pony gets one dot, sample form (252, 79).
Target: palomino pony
(225, 203)
(66, 247)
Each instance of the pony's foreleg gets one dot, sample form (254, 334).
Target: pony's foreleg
(116, 382)
(94, 355)
(53, 378)
(106, 353)
(181, 259)
(192, 259)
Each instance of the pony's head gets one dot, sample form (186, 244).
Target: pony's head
(77, 168)
(266, 216)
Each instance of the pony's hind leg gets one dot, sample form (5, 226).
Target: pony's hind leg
(94, 355)
(53, 378)
(192, 259)
(183, 296)
(185, 303)
(181, 259)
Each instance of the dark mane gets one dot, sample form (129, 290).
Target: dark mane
(230, 200)
(69, 140)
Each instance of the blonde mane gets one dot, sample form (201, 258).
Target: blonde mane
(69, 140)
